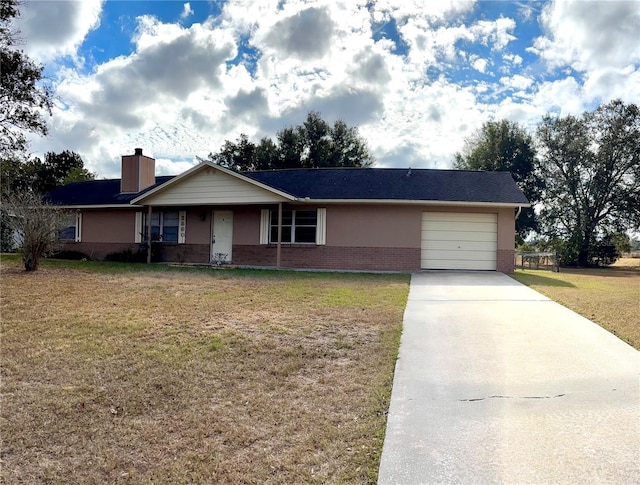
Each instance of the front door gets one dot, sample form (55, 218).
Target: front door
(221, 236)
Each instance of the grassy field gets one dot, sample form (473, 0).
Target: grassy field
(608, 296)
(158, 375)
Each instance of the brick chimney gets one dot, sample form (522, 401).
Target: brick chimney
(138, 172)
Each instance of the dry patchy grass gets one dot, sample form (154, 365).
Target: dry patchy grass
(608, 296)
(195, 376)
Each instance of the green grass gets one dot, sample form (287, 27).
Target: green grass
(608, 296)
(156, 374)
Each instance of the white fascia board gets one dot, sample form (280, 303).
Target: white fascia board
(202, 166)
(98, 206)
(413, 202)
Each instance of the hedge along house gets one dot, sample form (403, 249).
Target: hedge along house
(354, 218)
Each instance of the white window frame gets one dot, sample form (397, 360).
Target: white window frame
(266, 227)
(78, 226)
(76, 223)
(140, 223)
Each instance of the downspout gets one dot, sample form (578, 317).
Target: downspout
(518, 213)
(278, 252)
(149, 235)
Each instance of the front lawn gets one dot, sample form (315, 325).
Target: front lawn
(158, 375)
(608, 296)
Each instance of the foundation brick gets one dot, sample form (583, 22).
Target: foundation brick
(292, 256)
(505, 261)
(330, 257)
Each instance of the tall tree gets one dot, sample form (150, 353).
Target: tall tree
(15, 175)
(236, 156)
(316, 137)
(24, 100)
(347, 148)
(266, 154)
(290, 148)
(18, 175)
(505, 146)
(591, 168)
(56, 170)
(313, 144)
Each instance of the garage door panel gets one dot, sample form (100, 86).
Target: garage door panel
(458, 264)
(463, 255)
(458, 216)
(459, 245)
(465, 226)
(459, 240)
(459, 236)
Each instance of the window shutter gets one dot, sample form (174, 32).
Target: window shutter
(78, 226)
(182, 227)
(321, 228)
(265, 223)
(138, 233)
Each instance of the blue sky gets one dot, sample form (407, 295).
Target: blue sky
(416, 77)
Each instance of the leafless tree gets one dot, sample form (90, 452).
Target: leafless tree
(35, 224)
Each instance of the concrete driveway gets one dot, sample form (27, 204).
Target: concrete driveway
(495, 383)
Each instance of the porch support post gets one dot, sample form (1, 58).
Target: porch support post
(279, 235)
(149, 235)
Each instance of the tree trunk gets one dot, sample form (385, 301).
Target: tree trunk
(583, 257)
(31, 264)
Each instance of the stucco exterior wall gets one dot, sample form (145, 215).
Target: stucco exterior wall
(138, 172)
(246, 225)
(109, 225)
(198, 230)
(373, 226)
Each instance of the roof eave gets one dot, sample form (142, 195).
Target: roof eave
(413, 202)
(124, 205)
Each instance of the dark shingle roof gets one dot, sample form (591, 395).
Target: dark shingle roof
(336, 184)
(96, 192)
(395, 184)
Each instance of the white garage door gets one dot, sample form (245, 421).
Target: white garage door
(459, 240)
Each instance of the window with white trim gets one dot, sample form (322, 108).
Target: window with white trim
(164, 226)
(299, 226)
(72, 231)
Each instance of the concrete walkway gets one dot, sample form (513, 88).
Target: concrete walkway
(496, 383)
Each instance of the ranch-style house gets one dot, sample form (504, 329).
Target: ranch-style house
(384, 219)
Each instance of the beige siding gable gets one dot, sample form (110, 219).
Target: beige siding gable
(212, 187)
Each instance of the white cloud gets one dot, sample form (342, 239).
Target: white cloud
(182, 91)
(495, 33)
(480, 65)
(187, 11)
(563, 97)
(611, 83)
(513, 59)
(435, 11)
(517, 82)
(590, 35)
(56, 29)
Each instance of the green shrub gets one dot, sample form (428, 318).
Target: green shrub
(127, 256)
(69, 255)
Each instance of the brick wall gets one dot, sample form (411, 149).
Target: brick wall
(505, 261)
(184, 253)
(97, 251)
(330, 257)
(190, 253)
(292, 256)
